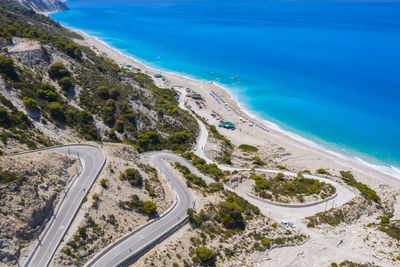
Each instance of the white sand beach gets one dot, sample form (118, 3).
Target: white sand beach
(295, 152)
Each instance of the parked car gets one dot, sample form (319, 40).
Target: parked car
(291, 224)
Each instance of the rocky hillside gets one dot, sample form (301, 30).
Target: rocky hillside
(30, 188)
(43, 5)
(55, 91)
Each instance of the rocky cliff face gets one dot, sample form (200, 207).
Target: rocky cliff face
(43, 5)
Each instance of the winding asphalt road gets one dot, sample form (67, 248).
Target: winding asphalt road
(129, 248)
(92, 160)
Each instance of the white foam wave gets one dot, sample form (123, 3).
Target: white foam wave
(387, 170)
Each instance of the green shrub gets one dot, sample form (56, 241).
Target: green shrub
(257, 161)
(180, 141)
(204, 255)
(7, 67)
(225, 159)
(5, 118)
(215, 187)
(102, 91)
(56, 111)
(104, 183)
(391, 230)
(297, 187)
(67, 251)
(279, 241)
(58, 70)
(83, 121)
(149, 207)
(30, 104)
(7, 177)
(66, 83)
(280, 176)
(385, 219)
(95, 196)
(332, 217)
(6, 64)
(323, 171)
(133, 176)
(119, 126)
(15, 119)
(73, 50)
(266, 242)
(151, 140)
(219, 136)
(364, 189)
(248, 148)
(47, 92)
(82, 232)
(231, 215)
(310, 224)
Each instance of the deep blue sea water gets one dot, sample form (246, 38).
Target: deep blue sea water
(327, 70)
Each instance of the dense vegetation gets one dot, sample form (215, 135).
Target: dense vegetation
(279, 186)
(81, 240)
(232, 213)
(193, 181)
(237, 226)
(189, 176)
(209, 169)
(131, 106)
(364, 189)
(18, 126)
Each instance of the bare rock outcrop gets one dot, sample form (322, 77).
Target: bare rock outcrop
(28, 202)
(43, 5)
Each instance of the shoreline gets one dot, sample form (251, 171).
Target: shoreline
(120, 58)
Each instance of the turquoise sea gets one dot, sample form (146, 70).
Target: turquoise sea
(328, 71)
